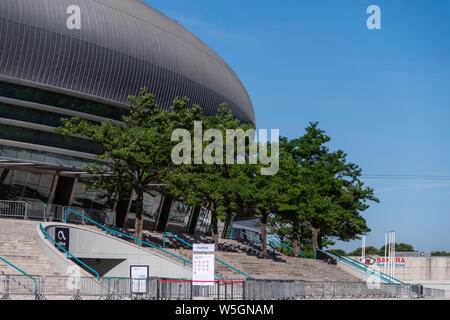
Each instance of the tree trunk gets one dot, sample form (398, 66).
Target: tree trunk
(315, 238)
(295, 240)
(264, 233)
(319, 241)
(214, 228)
(139, 213)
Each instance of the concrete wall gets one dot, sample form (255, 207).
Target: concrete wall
(113, 257)
(418, 269)
(56, 256)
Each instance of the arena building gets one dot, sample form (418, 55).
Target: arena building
(49, 71)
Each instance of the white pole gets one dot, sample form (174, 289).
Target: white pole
(389, 254)
(392, 255)
(385, 251)
(393, 270)
(392, 252)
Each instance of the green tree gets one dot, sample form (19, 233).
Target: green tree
(399, 247)
(440, 253)
(292, 202)
(135, 154)
(369, 250)
(338, 251)
(335, 194)
(258, 193)
(320, 190)
(208, 184)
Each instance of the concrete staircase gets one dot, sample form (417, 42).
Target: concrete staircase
(19, 245)
(248, 260)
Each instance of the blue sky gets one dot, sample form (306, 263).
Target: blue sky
(382, 95)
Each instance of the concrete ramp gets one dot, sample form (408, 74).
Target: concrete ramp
(108, 255)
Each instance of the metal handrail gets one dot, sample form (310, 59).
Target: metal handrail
(174, 236)
(67, 252)
(24, 273)
(369, 268)
(360, 267)
(224, 263)
(114, 232)
(248, 235)
(269, 241)
(286, 246)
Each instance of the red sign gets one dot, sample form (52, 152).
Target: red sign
(396, 260)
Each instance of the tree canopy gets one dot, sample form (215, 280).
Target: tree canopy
(315, 196)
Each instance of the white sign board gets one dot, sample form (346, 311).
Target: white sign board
(203, 270)
(139, 275)
(203, 247)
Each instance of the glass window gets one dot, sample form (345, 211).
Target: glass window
(30, 115)
(48, 139)
(19, 92)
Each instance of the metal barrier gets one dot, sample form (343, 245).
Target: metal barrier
(22, 285)
(154, 288)
(297, 289)
(52, 212)
(218, 260)
(13, 209)
(26, 282)
(36, 210)
(432, 292)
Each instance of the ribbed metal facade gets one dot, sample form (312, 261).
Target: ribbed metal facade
(123, 45)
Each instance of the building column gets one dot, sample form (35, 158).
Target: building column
(74, 188)
(163, 214)
(193, 220)
(228, 224)
(4, 175)
(52, 194)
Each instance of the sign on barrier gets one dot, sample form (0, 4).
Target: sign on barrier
(139, 275)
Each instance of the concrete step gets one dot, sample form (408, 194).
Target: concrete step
(19, 245)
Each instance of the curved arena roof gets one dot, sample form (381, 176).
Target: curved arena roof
(122, 46)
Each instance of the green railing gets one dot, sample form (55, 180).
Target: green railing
(360, 266)
(270, 242)
(370, 269)
(114, 233)
(190, 245)
(46, 235)
(24, 273)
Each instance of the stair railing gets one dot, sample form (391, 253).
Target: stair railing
(46, 235)
(36, 295)
(190, 245)
(362, 267)
(369, 268)
(115, 233)
(270, 241)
